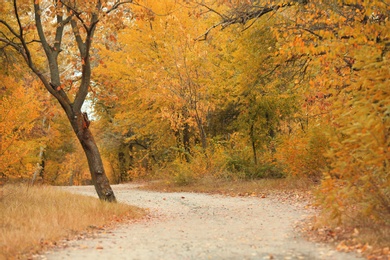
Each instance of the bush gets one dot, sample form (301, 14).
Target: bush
(244, 168)
(304, 154)
(357, 183)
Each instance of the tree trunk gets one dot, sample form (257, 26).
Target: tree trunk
(71, 178)
(202, 132)
(80, 124)
(40, 166)
(253, 141)
(186, 142)
(122, 166)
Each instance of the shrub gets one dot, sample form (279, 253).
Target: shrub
(304, 154)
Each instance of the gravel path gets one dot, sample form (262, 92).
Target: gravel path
(200, 226)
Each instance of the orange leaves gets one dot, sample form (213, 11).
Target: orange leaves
(112, 38)
(358, 156)
(298, 42)
(166, 71)
(345, 46)
(19, 108)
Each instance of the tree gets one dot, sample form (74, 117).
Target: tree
(162, 105)
(47, 34)
(347, 46)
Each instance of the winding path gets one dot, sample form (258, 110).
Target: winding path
(200, 226)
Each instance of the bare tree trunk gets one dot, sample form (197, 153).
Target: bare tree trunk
(71, 178)
(122, 166)
(253, 141)
(202, 133)
(39, 168)
(80, 124)
(186, 142)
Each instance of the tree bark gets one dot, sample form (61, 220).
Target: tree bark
(80, 124)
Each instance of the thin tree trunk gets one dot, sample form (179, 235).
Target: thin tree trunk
(186, 142)
(122, 166)
(71, 178)
(202, 132)
(39, 168)
(253, 140)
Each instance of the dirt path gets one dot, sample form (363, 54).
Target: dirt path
(199, 226)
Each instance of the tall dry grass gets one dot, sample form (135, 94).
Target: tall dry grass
(31, 217)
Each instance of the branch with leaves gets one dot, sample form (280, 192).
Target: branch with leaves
(242, 14)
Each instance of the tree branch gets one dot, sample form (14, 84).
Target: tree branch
(53, 86)
(41, 34)
(16, 46)
(86, 64)
(9, 28)
(203, 37)
(243, 15)
(59, 31)
(213, 10)
(84, 49)
(23, 50)
(117, 4)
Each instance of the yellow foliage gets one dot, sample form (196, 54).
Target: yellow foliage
(19, 111)
(303, 154)
(360, 155)
(352, 72)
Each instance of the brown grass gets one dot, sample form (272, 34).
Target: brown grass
(32, 217)
(213, 185)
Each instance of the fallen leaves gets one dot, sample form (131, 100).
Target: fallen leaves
(344, 239)
(367, 250)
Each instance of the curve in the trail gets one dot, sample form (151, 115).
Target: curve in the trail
(200, 226)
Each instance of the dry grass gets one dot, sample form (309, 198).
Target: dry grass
(212, 185)
(32, 217)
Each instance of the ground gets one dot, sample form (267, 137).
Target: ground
(200, 226)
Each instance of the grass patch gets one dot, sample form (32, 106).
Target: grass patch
(34, 217)
(238, 187)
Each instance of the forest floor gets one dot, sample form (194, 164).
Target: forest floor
(186, 225)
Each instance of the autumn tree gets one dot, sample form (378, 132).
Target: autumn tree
(176, 99)
(165, 80)
(266, 84)
(345, 85)
(55, 41)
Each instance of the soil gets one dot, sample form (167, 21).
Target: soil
(200, 226)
